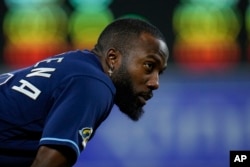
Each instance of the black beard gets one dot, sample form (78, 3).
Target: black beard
(126, 98)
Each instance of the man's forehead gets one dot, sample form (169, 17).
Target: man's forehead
(149, 46)
(163, 49)
(160, 44)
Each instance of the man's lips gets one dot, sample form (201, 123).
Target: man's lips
(145, 97)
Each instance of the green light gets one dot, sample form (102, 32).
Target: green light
(218, 3)
(34, 24)
(247, 20)
(205, 23)
(88, 20)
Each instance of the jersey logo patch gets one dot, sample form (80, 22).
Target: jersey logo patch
(86, 134)
(5, 77)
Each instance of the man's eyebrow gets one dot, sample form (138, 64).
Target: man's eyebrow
(154, 56)
(157, 58)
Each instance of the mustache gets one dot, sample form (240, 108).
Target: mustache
(146, 95)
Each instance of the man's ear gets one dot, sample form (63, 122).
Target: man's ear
(112, 57)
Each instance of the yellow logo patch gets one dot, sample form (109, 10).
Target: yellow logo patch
(86, 134)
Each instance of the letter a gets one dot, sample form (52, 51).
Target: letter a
(237, 158)
(28, 89)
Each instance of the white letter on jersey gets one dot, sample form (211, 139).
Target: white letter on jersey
(28, 89)
(41, 72)
(58, 60)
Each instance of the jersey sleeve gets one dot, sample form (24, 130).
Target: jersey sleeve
(78, 109)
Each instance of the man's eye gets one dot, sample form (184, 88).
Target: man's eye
(149, 66)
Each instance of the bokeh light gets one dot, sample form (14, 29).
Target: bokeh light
(206, 33)
(33, 32)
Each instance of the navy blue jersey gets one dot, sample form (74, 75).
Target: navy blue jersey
(58, 101)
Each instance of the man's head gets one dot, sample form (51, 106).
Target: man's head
(134, 53)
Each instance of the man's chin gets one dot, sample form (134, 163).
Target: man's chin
(134, 115)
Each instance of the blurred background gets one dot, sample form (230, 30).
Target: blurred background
(202, 109)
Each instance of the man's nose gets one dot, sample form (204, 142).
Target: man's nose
(153, 82)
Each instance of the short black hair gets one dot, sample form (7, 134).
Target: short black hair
(121, 32)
